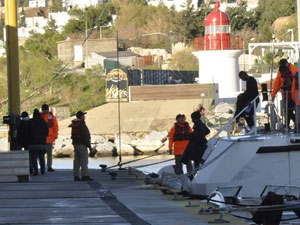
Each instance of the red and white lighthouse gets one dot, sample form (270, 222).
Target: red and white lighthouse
(217, 30)
(218, 52)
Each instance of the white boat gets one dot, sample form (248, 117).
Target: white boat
(249, 161)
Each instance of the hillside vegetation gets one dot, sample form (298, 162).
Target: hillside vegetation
(45, 79)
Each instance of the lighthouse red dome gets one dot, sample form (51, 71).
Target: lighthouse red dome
(217, 17)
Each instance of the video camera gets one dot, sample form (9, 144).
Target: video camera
(11, 119)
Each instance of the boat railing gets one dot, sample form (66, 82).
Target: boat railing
(227, 127)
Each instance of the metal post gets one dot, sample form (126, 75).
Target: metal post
(298, 20)
(13, 80)
(255, 128)
(286, 112)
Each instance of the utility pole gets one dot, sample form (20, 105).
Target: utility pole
(13, 81)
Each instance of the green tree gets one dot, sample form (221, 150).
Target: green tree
(22, 19)
(268, 11)
(187, 24)
(45, 44)
(91, 15)
(22, 3)
(184, 60)
(2, 26)
(241, 19)
(201, 14)
(57, 6)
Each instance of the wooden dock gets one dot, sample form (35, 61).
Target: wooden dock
(54, 198)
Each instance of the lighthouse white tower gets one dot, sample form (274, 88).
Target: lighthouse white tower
(218, 54)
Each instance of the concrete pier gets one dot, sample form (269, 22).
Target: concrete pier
(54, 198)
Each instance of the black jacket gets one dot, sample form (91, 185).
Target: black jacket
(198, 143)
(38, 131)
(23, 132)
(251, 89)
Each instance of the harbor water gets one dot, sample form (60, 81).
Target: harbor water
(67, 163)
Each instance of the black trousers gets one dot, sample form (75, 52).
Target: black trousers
(289, 110)
(34, 156)
(241, 103)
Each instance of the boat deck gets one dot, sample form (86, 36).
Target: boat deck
(54, 198)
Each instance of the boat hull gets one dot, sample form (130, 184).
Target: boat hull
(251, 162)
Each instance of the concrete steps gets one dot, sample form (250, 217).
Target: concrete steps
(14, 166)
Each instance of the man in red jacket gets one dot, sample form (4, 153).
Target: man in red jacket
(81, 140)
(51, 120)
(179, 137)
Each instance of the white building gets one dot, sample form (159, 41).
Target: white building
(37, 23)
(37, 3)
(178, 4)
(81, 3)
(181, 4)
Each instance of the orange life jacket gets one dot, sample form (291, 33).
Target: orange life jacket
(50, 119)
(178, 145)
(279, 81)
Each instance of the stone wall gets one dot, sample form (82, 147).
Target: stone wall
(65, 49)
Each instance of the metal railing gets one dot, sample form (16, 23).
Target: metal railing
(213, 140)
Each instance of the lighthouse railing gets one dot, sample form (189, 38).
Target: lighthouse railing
(214, 43)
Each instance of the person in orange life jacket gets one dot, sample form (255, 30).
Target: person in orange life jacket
(287, 101)
(296, 99)
(51, 120)
(178, 140)
(81, 141)
(280, 80)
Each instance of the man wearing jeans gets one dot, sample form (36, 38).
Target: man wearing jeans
(51, 120)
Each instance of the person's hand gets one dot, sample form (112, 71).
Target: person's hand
(273, 99)
(170, 151)
(93, 152)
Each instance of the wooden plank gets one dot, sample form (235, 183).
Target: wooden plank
(165, 92)
(14, 155)
(14, 171)
(14, 163)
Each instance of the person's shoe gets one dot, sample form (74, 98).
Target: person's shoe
(35, 174)
(252, 130)
(77, 179)
(87, 178)
(42, 172)
(50, 169)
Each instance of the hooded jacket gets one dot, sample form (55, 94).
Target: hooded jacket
(80, 133)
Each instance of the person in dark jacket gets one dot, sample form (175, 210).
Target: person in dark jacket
(23, 137)
(245, 98)
(198, 143)
(23, 131)
(38, 132)
(81, 141)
